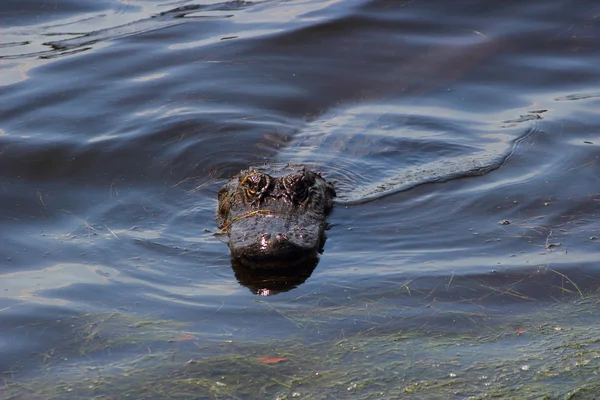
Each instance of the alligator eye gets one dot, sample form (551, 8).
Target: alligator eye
(255, 183)
(296, 186)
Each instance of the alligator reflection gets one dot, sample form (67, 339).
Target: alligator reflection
(271, 281)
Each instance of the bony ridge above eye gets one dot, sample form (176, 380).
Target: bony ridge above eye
(255, 182)
(297, 186)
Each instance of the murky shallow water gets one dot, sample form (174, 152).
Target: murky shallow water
(120, 120)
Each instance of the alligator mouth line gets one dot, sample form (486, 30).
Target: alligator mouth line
(281, 263)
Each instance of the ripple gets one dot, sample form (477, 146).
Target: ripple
(371, 152)
(579, 96)
(31, 286)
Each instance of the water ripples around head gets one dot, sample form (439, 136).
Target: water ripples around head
(373, 151)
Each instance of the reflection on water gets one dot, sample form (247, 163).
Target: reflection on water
(436, 120)
(268, 282)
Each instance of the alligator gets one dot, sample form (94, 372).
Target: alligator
(277, 220)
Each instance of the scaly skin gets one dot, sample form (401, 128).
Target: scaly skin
(275, 221)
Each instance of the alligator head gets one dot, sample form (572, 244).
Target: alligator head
(275, 221)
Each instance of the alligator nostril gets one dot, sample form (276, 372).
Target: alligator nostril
(265, 241)
(273, 242)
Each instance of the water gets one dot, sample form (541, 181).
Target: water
(119, 121)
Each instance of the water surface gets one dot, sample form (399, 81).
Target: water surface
(462, 138)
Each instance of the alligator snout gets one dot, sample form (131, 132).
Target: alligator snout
(284, 241)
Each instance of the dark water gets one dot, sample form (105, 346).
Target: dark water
(119, 121)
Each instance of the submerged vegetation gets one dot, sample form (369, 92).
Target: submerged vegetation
(548, 351)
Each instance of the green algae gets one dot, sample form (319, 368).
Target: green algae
(550, 351)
